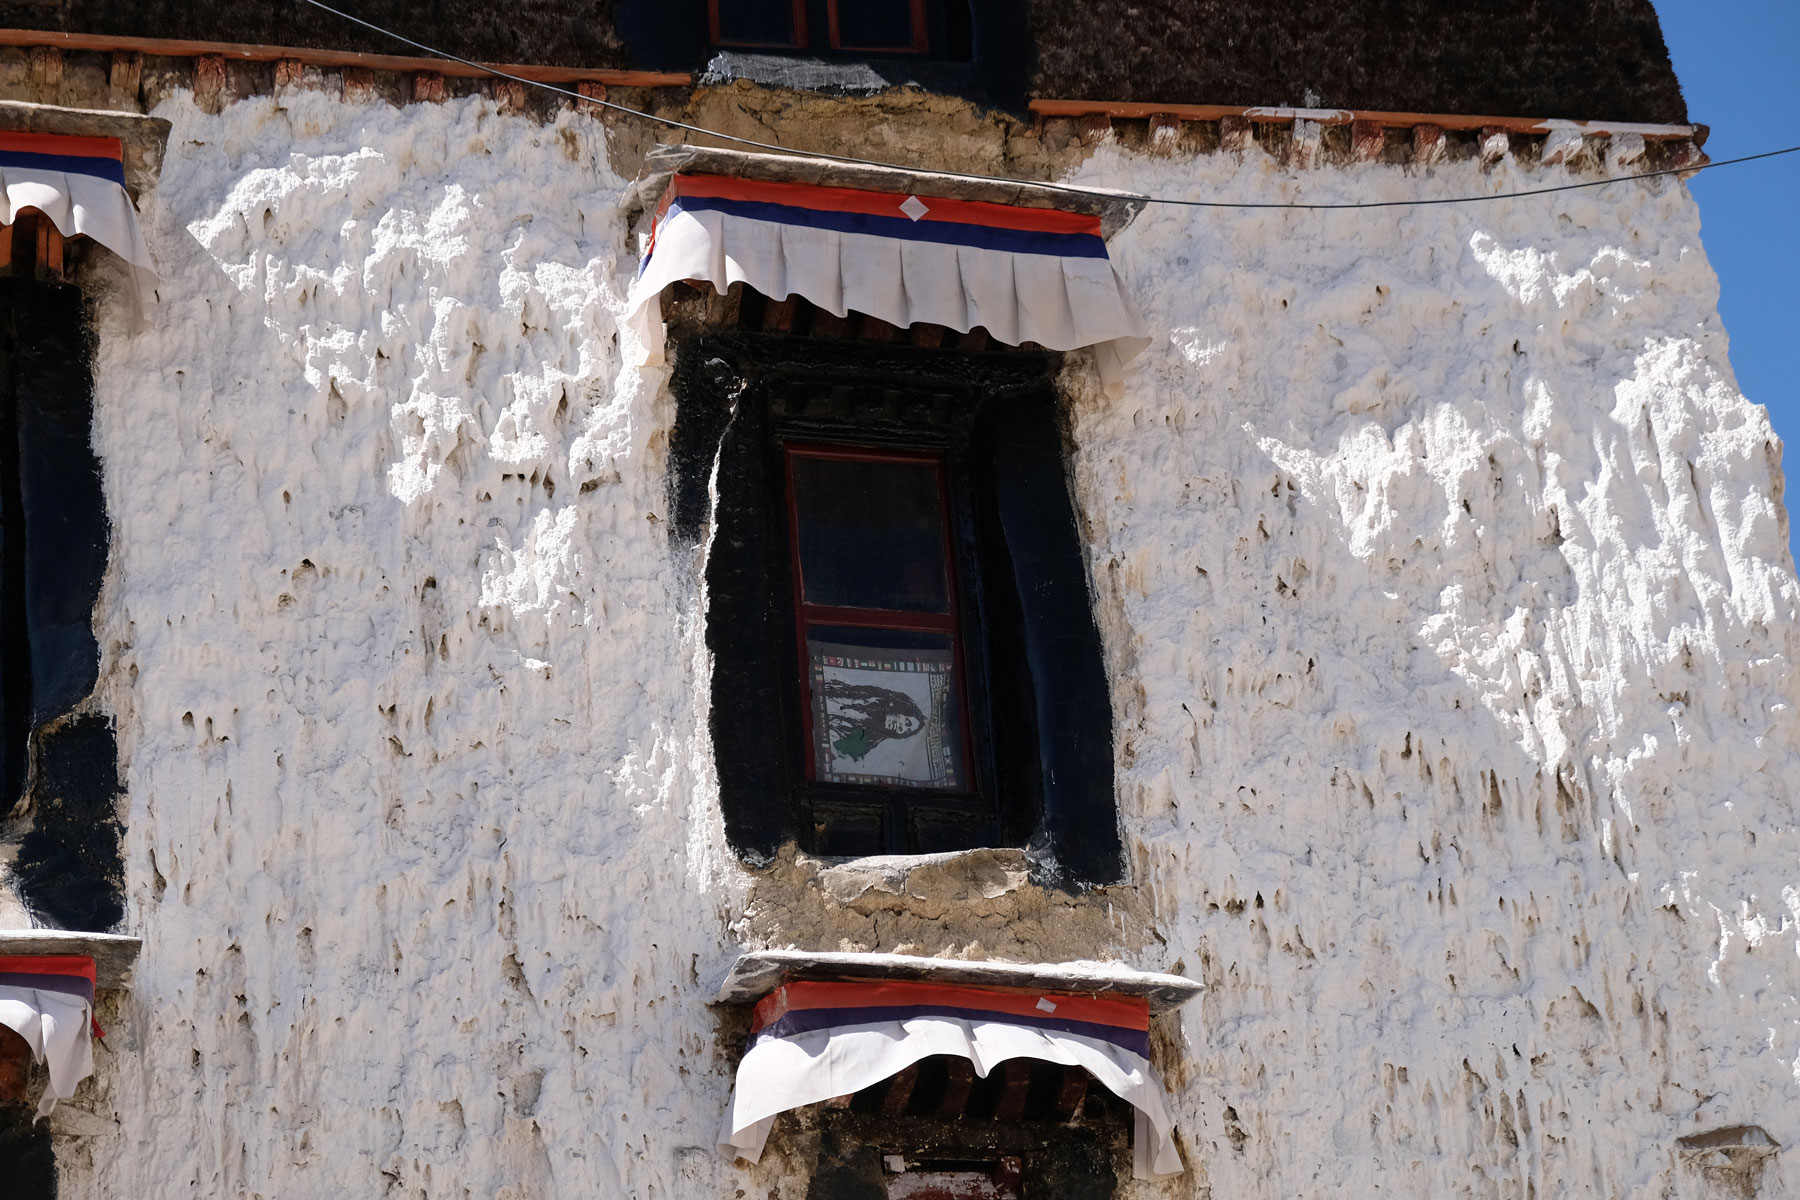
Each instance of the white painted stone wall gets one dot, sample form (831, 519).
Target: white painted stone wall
(1442, 569)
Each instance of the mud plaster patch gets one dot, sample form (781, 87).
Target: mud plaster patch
(971, 904)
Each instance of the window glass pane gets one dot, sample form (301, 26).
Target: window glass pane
(875, 24)
(756, 22)
(885, 708)
(871, 534)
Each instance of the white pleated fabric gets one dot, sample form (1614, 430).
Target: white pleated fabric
(56, 1026)
(1063, 303)
(87, 205)
(782, 1073)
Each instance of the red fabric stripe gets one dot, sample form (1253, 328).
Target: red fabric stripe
(48, 964)
(56, 143)
(1126, 1012)
(886, 204)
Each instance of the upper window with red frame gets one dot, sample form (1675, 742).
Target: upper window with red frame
(844, 27)
(877, 618)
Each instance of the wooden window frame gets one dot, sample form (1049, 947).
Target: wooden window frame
(828, 811)
(807, 614)
(800, 41)
(919, 23)
(921, 32)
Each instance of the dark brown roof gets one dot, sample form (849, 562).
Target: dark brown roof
(553, 32)
(1580, 59)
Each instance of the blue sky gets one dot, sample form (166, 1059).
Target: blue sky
(1739, 65)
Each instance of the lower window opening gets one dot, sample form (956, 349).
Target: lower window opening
(937, 1131)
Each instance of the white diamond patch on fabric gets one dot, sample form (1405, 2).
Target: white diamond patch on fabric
(913, 207)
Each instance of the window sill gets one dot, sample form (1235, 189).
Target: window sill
(115, 955)
(758, 972)
(954, 875)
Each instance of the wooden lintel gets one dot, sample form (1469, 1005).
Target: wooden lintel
(50, 249)
(1017, 1073)
(183, 48)
(900, 1090)
(957, 1089)
(1071, 1094)
(1265, 115)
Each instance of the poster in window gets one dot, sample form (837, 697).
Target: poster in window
(884, 716)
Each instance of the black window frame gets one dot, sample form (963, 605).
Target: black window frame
(816, 27)
(981, 813)
(811, 615)
(1038, 706)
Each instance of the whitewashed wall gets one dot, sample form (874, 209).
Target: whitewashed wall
(1453, 569)
(1442, 570)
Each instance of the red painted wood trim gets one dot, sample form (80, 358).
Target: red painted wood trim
(1344, 116)
(180, 48)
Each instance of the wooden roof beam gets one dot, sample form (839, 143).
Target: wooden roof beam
(405, 64)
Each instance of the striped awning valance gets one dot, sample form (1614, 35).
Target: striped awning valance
(79, 183)
(1024, 274)
(813, 1040)
(48, 999)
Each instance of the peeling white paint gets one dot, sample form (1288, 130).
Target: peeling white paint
(1444, 581)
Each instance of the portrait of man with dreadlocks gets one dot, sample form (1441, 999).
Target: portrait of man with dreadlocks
(860, 718)
(882, 716)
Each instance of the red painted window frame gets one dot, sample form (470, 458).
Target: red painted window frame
(800, 29)
(921, 32)
(806, 614)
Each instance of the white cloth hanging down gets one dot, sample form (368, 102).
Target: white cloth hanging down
(812, 1041)
(79, 183)
(49, 1001)
(1024, 274)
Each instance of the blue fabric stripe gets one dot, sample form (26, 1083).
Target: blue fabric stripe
(72, 985)
(74, 164)
(949, 233)
(807, 1020)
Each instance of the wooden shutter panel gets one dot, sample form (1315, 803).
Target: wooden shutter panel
(15, 645)
(63, 508)
(1059, 641)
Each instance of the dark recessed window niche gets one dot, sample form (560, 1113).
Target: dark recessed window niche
(905, 658)
(938, 28)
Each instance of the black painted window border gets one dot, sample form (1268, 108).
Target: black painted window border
(54, 539)
(1040, 709)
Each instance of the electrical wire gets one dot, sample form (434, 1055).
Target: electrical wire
(1068, 189)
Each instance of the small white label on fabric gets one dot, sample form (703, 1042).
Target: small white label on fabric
(913, 207)
(896, 1164)
(1045, 1005)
